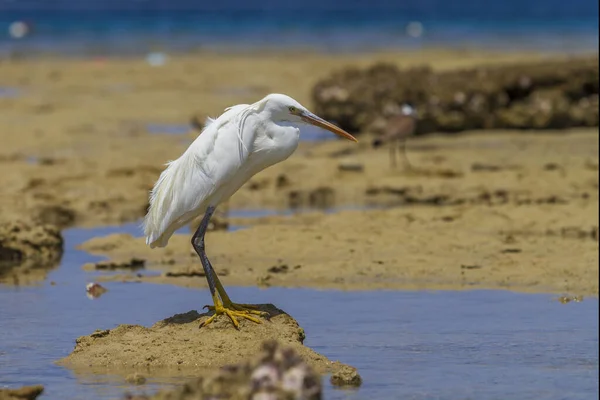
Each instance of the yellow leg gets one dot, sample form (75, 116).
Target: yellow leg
(249, 308)
(231, 309)
(219, 308)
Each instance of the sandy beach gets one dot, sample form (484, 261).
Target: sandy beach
(84, 140)
(512, 215)
(494, 209)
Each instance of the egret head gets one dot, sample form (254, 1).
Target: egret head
(282, 108)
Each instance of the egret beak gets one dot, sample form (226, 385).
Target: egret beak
(321, 123)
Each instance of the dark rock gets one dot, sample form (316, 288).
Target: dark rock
(553, 94)
(94, 290)
(322, 197)
(282, 181)
(136, 379)
(58, 215)
(350, 166)
(132, 263)
(279, 269)
(347, 376)
(22, 393)
(28, 245)
(192, 271)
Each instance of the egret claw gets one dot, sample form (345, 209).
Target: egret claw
(242, 308)
(220, 309)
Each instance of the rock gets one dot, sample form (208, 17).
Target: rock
(346, 376)
(57, 215)
(568, 299)
(322, 197)
(296, 199)
(178, 342)
(282, 181)
(23, 393)
(94, 290)
(483, 167)
(98, 333)
(350, 166)
(193, 270)
(276, 372)
(136, 379)
(279, 269)
(132, 263)
(26, 247)
(553, 94)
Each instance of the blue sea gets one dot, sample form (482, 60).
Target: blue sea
(105, 27)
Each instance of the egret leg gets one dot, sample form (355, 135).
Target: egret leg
(249, 308)
(222, 302)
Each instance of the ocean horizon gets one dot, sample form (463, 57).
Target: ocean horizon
(133, 27)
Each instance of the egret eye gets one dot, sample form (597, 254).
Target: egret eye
(292, 109)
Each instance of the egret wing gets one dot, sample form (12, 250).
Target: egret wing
(185, 188)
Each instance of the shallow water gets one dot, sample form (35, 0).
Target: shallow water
(415, 345)
(7, 92)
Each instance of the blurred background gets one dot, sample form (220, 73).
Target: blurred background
(95, 27)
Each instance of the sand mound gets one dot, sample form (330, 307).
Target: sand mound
(177, 342)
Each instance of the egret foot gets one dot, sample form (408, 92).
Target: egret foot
(245, 308)
(248, 308)
(233, 311)
(229, 308)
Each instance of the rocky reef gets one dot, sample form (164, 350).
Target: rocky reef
(554, 94)
(23, 393)
(28, 249)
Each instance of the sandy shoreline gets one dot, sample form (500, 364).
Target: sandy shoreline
(76, 152)
(509, 210)
(494, 210)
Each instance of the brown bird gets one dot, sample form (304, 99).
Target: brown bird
(400, 125)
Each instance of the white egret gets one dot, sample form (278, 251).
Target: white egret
(243, 141)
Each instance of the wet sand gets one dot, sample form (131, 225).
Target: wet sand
(75, 147)
(486, 209)
(503, 210)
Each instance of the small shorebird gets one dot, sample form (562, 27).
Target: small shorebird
(243, 141)
(400, 125)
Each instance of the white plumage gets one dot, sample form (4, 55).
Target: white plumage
(244, 140)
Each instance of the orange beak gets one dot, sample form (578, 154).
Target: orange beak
(321, 123)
